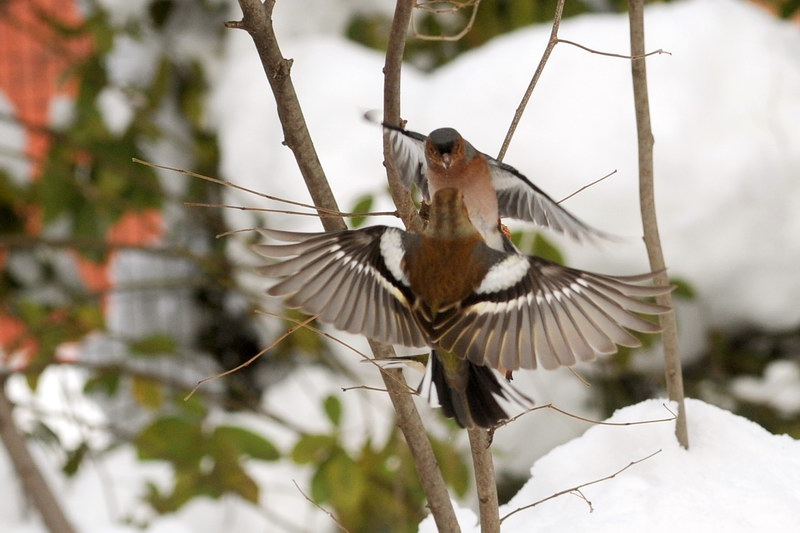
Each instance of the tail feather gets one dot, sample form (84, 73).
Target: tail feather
(476, 403)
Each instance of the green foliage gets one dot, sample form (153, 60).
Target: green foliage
(206, 462)
(535, 243)
(363, 205)
(373, 488)
(158, 344)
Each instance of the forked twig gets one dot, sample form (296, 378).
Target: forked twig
(576, 488)
(321, 508)
(551, 43)
(457, 6)
(327, 335)
(590, 420)
(250, 361)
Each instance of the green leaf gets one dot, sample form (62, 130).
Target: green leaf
(546, 249)
(246, 443)
(158, 344)
(172, 439)
(106, 382)
(683, 289)
(341, 482)
(147, 392)
(231, 477)
(74, 459)
(313, 449)
(363, 205)
(333, 408)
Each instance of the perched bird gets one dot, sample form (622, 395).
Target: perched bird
(478, 307)
(492, 189)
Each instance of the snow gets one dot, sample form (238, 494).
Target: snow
(779, 388)
(736, 477)
(725, 109)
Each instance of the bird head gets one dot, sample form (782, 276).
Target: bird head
(445, 147)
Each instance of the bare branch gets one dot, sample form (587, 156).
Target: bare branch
(668, 322)
(609, 54)
(252, 359)
(590, 420)
(330, 212)
(257, 20)
(457, 6)
(485, 482)
(595, 182)
(321, 508)
(33, 482)
(365, 357)
(576, 489)
(551, 43)
(300, 213)
(408, 418)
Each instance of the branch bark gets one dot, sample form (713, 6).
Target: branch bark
(485, 482)
(257, 21)
(33, 482)
(672, 361)
(391, 110)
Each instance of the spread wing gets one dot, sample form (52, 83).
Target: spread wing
(351, 279)
(408, 150)
(518, 197)
(529, 311)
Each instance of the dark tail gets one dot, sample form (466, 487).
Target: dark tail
(473, 401)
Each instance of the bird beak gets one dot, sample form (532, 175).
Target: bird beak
(447, 159)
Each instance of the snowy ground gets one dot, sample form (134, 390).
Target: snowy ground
(735, 478)
(726, 118)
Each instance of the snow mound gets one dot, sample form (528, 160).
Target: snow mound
(735, 477)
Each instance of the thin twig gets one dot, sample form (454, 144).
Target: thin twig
(332, 212)
(285, 212)
(590, 420)
(321, 508)
(551, 43)
(365, 357)
(457, 6)
(252, 359)
(667, 321)
(609, 54)
(577, 488)
(595, 182)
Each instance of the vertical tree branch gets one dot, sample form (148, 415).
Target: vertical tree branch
(257, 21)
(484, 480)
(674, 374)
(408, 418)
(391, 110)
(33, 482)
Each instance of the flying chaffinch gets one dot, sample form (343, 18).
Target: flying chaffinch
(478, 307)
(492, 189)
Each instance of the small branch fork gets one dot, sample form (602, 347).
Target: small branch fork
(551, 44)
(454, 7)
(577, 488)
